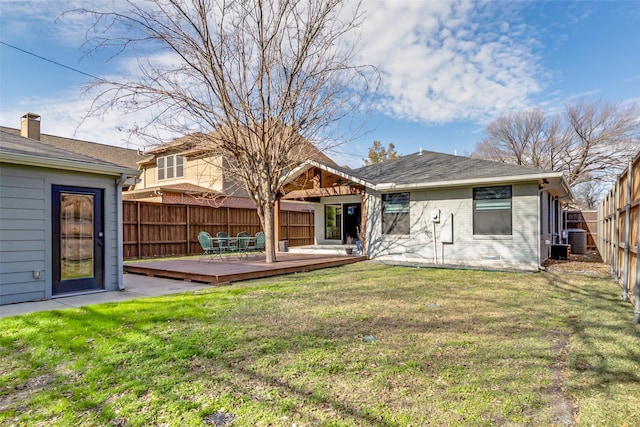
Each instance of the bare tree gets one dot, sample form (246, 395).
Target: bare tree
(588, 193)
(590, 141)
(523, 138)
(256, 82)
(602, 139)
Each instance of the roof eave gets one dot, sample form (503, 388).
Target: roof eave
(466, 182)
(66, 164)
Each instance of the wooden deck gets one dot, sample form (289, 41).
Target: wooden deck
(216, 271)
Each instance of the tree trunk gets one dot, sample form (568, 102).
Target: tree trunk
(269, 232)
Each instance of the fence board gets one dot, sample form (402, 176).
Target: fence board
(619, 233)
(153, 230)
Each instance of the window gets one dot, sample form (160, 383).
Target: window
(395, 213)
(170, 167)
(332, 222)
(492, 210)
(160, 168)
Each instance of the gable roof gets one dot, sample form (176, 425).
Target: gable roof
(190, 146)
(25, 151)
(125, 157)
(428, 169)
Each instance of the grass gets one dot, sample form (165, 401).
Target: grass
(442, 347)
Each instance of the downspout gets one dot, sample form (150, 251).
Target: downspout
(539, 232)
(119, 232)
(435, 245)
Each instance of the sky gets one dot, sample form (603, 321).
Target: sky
(448, 68)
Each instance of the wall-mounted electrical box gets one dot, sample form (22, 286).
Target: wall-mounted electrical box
(446, 229)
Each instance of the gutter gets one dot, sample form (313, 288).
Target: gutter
(74, 165)
(539, 233)
(466, 182)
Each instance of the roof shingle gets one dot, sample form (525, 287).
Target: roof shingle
(120, 156)
(431, 167)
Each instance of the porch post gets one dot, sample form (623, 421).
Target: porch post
(363, 222)
(276, 224)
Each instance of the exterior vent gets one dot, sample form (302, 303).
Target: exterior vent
(577, 238)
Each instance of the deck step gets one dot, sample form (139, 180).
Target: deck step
(324, 249)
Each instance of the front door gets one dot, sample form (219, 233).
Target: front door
(352, 221)
(78, 239)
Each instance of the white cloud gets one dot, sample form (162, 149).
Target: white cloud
(65, 115)
(441, 62)
(444, 61)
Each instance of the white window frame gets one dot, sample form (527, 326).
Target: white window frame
(170, 167)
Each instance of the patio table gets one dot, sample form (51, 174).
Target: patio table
(238, 245)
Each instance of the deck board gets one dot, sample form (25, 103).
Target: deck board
(217, 271)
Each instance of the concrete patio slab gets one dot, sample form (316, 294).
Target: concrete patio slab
(136, 286)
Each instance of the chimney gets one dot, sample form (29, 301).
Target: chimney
(30, 126)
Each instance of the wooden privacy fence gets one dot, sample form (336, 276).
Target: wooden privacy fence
(619, 233)
(152, 230)
(584, 220)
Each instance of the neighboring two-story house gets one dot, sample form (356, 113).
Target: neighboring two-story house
(184, 172)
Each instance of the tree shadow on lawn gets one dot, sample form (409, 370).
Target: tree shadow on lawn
(605, 344)
(226, 344)
(291, 334)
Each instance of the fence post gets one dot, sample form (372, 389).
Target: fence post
(616, 257)
(627, 240)
(138, 231)
(188, 232)
(632, 177)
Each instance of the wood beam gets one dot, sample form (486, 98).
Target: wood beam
(323, 192)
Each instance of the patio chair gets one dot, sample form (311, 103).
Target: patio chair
(225, 243)
(260, 242)
(208, 249)
(242, 242)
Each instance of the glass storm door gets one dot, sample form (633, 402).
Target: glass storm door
(78, 255)
(332, 222)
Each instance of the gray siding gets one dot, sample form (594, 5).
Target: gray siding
(518, 251)
(22, 235)
(26, 231)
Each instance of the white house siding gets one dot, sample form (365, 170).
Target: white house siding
(26, 229)
(518, 251)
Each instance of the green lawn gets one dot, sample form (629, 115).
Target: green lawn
(358, 345)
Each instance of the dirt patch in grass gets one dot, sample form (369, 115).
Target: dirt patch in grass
(589, 263)
(12, 396)
(562, 403)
